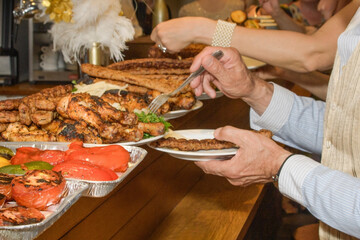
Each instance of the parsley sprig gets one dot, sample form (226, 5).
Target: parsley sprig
(152, 118)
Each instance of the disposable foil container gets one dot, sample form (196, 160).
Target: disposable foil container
(102, 188)
(73, 191)
(95, 188)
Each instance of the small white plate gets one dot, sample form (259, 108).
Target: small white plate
(202, 155)
(252, 63)
(204, 96)
(180, 113)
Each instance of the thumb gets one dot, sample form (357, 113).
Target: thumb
(231, 134)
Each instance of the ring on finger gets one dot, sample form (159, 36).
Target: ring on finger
(162, 48)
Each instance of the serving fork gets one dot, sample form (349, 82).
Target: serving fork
(162, 98)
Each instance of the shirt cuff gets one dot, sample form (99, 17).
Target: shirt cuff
(277, 113)
(293, 174)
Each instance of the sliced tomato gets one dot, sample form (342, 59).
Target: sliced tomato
(19, 215)
(114, 157)
(38, 188)
(30, 154)
(84, 170)
(5, 185)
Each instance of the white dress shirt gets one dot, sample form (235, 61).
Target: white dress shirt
(330, 195)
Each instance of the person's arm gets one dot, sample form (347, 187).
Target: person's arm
(315, 82)
(295, 121)
(291, 50)
(331, 196)
(283, 20)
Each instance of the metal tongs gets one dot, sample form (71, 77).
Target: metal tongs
(162, 98)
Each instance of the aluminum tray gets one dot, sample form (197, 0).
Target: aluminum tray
(95, 188)
(73, 192)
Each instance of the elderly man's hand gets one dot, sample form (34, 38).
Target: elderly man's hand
(257, 160)
(229, 74)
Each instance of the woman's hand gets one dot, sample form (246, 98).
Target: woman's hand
(257, 160)
(176, 34)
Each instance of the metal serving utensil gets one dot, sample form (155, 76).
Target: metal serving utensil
(162, 98)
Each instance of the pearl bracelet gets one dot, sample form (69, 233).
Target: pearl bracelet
(223, 34)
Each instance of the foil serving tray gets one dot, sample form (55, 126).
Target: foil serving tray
(95, 188)
(73, 191)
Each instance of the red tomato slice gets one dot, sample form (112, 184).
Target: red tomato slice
(114, 157)
(29, 154)
(38, 188)
(84, 170)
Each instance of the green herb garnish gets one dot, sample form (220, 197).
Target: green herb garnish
(152, 118)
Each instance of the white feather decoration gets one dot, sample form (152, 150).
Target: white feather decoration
(93, 21)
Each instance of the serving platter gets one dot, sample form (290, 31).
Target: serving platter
(202, 155)
(73, 191)
(94, 188)
(141, 142)
(204, 96)
(180, 113)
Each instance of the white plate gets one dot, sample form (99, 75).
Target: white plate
(204, 96)
(141, 142)
(202, 155)
(252, 63)
(180, 113)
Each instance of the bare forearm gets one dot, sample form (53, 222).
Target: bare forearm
(295, 51)
(315, 82)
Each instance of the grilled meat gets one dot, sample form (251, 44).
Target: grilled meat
(192, 144)
(3, 127)
(154, 129)
(17, 132)
(183, 101)
(42, 117)
(10, 104)
(13, 216)
(9, 116)
(93, 110)
(46, 99)
(161, 85)
(148, 66)
(70, 131)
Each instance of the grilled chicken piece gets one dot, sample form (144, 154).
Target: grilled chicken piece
(154, 129)
(70, 131)
(13, 216)
(115, 132)
(192, 144)
(42, 117)
(93, 110)
(102, 116)
(10, 104)
(182, 101)
(17, 132)
(9, 116)
(46, 99)
(126, 100)
(3, 126)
